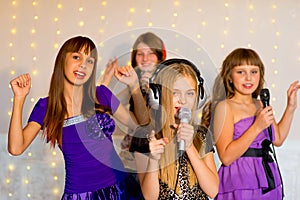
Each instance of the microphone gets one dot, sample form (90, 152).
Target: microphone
(185, 115)
(265, 99)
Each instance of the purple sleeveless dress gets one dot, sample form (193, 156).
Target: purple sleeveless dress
(245, 178)
(93, 168)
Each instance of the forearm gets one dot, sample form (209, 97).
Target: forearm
(15, 132)
(236, 148)
(206, 172)
(140, 110)
(149, 181)
(284, 126)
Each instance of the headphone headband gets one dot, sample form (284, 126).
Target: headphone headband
(156, 88)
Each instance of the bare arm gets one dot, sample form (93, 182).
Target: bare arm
(18, 138)
(205, 170)
(283, 127)
(204, 167)
(147, 167)
(228, 149)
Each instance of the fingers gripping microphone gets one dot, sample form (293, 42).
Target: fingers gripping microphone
(185, 115)
(265, 99)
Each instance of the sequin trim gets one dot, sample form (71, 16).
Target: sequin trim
(74, 120)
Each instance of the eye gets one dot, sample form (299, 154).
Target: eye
(90, 61)
(76, 57)
(191, 93)
(254, 71)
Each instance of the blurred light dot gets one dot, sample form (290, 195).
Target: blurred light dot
(173, 25)
(56, 45)
(10, 44)
(80, 9)
(222, 46)
(104, 3)
(59, 6)
(13, 31)
(129, 23)
(226, 18)
(32, 100)
(53, 164)
(150, 24)
(14, 17)
(11, 167)
(148, 10)
(102, 17)
(81, 23)
(7, 181)
(55, 19)
(28, 167)
(36, 17)
(132, 10)
(33, 31)
(276, 72)
(29, 154)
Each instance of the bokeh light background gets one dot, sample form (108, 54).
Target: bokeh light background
(32, 31)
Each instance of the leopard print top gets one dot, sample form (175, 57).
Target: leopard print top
(194, 192)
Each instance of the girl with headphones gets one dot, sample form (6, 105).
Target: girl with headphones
(162, 172)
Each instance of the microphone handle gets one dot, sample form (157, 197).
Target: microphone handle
(270, 133)
(266, 103)
(181, 144)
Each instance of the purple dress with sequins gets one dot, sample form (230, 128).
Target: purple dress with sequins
(246, 178)
(93, 168)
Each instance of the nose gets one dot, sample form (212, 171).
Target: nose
(181, 99)
(83, 64)
(145, 57)
(248, 76)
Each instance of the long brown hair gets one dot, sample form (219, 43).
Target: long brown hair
(57, 107)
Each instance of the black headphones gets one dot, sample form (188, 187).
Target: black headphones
(154, 99)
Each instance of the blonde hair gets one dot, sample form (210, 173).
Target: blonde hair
(166, 78)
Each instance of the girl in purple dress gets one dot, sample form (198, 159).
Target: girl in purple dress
(240, 125)
(76, 116)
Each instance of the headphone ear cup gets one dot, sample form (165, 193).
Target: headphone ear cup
(153, 97)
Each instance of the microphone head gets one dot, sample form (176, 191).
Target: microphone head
(265, 95)
(185, 114)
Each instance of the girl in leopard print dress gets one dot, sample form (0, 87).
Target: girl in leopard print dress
(163, 172)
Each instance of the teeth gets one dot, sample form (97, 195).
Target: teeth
(79, 73)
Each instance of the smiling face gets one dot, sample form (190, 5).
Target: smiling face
(78, 67)
(146, 59)
(245, 79)
(184, 93)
